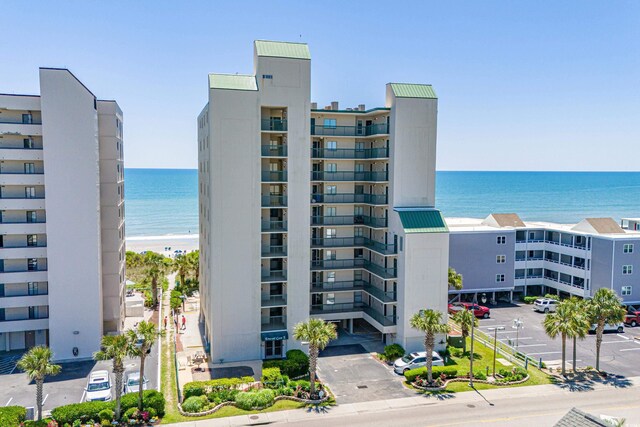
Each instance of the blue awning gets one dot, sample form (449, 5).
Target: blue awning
(274, 336)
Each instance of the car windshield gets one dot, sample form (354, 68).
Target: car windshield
(133, 381)
(539, 301)
(98, 386)
(408, 358)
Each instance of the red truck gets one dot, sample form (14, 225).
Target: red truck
(478, 310)
(632, 318)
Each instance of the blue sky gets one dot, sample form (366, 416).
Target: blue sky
(538, 85)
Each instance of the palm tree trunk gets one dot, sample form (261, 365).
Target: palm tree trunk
(598, 343)
(118, 370)
(154, 291)
(574, 355)
(464, 343)
(428, 345)
(564, 353)
(182, 279)
(142, 357)
(39, 384)
(313, 360)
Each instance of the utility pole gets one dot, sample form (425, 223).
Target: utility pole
(475, 301)
(495, 345)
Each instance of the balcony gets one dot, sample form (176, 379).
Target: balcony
(383, 320)
(336, 308)
(24, 325)
(21, 178)
(274, 226)
(21, 203)
(23, 227)
(371, 130)
(349, 153)
(331, 176)
(344, 286)
(274, 250)
(367, 199)
(19, 252)
(32, 129)
(348, 242)
(369, 221)
(273, 300)
(274, 176)
(274, 151)
(350, 264)
(20, 153)
(274, 323)
(274, 276)
(274, 201)
(19, 301)
(274, 125)
(380, 295)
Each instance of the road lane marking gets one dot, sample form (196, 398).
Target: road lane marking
(45, 399)
(9, 401)
(622, 336)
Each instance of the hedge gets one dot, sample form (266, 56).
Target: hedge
(150, 399)
(448, 371)
(199, 388)
(12, 416)
(295, 365)
(248, 400)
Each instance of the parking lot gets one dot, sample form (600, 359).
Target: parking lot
(68, 386)
(619, 352)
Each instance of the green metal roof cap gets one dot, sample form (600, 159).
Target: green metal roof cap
(282, 49)
(422, 221)
(232, 82)
(410, 90)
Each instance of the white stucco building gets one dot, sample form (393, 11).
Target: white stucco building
(62, 251)
(308, 212)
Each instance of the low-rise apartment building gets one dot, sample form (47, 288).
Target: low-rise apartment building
(62, 260)
(314, 212)
(502, 255)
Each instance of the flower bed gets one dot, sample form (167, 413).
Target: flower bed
(443, 385)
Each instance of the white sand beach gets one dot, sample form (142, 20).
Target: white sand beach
(166, 245)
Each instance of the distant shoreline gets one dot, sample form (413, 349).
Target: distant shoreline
(167, 244)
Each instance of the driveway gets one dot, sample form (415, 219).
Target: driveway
(355, 376)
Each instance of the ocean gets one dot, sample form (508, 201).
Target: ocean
(165, 201)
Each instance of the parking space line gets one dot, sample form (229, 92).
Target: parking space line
(83, 394)
(630, 349)
(532, 345)
(514, 338)
(9, 401)
(547, 352)
(614, 342)
(45, 398)
(622, 336)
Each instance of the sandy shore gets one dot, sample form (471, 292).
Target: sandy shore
(166, 245)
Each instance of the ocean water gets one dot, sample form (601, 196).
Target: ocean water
(165, 201)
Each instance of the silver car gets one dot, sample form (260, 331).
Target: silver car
(545, 305)
(132, 382)
(609, 327)
(416, 360)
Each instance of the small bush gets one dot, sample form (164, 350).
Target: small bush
(480, 375)
(12, 415)
(84, 411)
(530, 300)
(106, 414)
(129, 413)
(150, 399)
(448, 371)
(152, 412)
(393, 352)
(195, 404)
(296, 364)
(218, 397)
(199, 388)
(248, 400)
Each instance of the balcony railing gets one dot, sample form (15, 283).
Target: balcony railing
(274, 276)
(379, 317)
(375, 129)
(21, 197)
(27, 317)
(274, 250)
(268, 300)
(274, 200)
(349, 176)
(370, 199)
(274, 150)
(341, 264)
(37, 221)
(353, 307)
(350, 285)
(25, 293)
(274, 176)
(274, 323)
(20, 148)
(24, 270)
(274, 125)
(274, 225)
(349, 153)
(20, 172)
(347, 242)
(379, 294)
(370, 221)
(19, 122)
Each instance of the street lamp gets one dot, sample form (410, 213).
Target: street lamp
(495, 345)
(517, 325)
(475, 301)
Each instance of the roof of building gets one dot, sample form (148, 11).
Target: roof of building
(577, 418)
(422, 220)
(282, 49)
(504, 220)
(232, 82)
(599, 225)
(412, 90)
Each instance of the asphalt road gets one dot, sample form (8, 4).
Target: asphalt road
(68, 386)
(619, 352)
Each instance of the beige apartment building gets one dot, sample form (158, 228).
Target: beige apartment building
(62, 250)
(314, 212)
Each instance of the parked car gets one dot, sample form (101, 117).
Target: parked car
(615, 327)
(415, 360)
(478, 310)
(545, 305)
(632, 318)
(132, 382)
(98, 386)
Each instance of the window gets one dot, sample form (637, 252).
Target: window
(358, 210)
(29, 168)
(330, 233)
(359, 145)
(27, 119)
(501, 259)
(28, 142)
(331, 145)
(330, 211)
(358, 232)
(331, 167)
(32, 240)
(331, 276)
(330, 123)
(32, 288)
(32, 264)
(626, 291)
(401, 241)
(31, 216)
(499, 277)
(627, 269)
(331, 189)
(331, 255)
(501, 240)
(273, 349)
(359, 167)
(30, 192)
(627, 248)
(331, 298)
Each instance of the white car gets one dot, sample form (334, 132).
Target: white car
(415, 360)
(545, 305)
(615, 327)
(132, 383)
(98, 387)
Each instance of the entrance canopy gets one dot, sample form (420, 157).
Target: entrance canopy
(274, 336)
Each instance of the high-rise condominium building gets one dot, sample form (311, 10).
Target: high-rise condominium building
(62, 250)
(308, 212)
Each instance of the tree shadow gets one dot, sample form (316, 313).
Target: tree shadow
(438, 395)
(318, 409)
(585, 381)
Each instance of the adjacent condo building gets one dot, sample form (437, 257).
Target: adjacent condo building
(62, 250)
(502, 255)
(308, 212)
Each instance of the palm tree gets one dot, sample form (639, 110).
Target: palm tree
(154, 267)
(37, 364)
(142, 338)
(429, 322)
(317, 333)
(561, 323)
(605, 307)
(455, 279)
(465, 319)
(580, 324)
(182, 265)
(116, 348)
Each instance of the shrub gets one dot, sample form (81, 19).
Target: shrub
(218, 397)
(195, 404)
(199, 388)
(480, 375)
(284, 391)
(129, 413)
(248, 400)
(393, 352)
(79, 411)
(530, 300)
(152, 412)
(448, 371)
(150, 399)
(105, 414)
(12, 415)
(296, 364)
